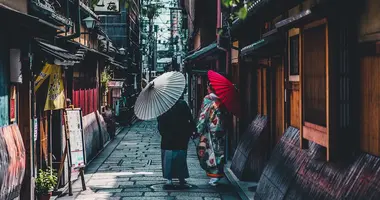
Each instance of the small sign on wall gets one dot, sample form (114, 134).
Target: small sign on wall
(13, 104)
(35, 128)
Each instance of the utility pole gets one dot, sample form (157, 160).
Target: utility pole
(155, 47)
(150, 40)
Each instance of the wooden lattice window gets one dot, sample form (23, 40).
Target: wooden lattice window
(294, 55)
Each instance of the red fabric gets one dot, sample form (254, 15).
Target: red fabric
(226, 91)
(82, 101)
(86, 99)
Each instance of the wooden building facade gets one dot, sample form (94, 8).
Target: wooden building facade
(311, 65)
(124, 30)
(208, 52)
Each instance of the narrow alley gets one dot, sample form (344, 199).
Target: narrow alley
(130, 168)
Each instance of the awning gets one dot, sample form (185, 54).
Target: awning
(116, 64)
(59, 53)
(83, 50)
(115, 84)
(29, 21)
(214, 47)
(259, 45)
(294, 20)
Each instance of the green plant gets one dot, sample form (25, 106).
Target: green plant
(46, 181)
(105, 77)
(151, 10)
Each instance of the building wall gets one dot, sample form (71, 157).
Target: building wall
(369, 21)
(4, 83)
(190, 8)
(20, 5)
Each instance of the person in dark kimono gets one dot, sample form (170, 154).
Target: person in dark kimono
(176, 127)
(210, 128)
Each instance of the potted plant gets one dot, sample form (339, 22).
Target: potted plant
(45, 183)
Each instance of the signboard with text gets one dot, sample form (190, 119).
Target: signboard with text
(77, 146)
(107, 7)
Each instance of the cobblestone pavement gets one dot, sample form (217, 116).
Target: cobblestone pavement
(130, 168)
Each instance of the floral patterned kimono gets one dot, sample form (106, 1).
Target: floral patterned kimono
(212, 141)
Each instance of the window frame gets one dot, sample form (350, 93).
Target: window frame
(294, 32)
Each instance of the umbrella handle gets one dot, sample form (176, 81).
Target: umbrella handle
(151, 84)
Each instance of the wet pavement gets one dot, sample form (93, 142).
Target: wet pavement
(130, 168)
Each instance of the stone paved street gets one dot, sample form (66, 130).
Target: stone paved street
(130, 168)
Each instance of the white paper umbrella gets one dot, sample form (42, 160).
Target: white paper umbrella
(159, 95)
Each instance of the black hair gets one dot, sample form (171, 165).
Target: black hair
(210, 86)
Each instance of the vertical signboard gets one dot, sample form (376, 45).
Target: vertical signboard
(75, 132)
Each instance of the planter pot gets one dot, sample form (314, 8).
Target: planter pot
(45, 196)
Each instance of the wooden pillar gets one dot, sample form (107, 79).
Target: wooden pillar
(26, 126)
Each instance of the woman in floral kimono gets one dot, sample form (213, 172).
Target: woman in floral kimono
(212, 137)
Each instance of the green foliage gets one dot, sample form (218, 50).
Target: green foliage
(93, 3)
(152, 10)
(242, 13)
(229, 3)
(127, 3)
(46, 181)
(105, 77)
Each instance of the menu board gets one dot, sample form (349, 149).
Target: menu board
(74, 126)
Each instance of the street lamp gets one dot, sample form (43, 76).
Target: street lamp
(90, 22)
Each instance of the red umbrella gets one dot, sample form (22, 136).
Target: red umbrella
(226, 91)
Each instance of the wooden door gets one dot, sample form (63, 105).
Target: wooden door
(278, 99)
(370, 105)
(314, 79)
(262, 91)
(293, 85)
(294, 104)
(259, 91)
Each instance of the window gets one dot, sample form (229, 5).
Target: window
(294, 55)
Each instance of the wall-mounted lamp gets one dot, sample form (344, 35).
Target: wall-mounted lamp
(89, 22)
(122, 51)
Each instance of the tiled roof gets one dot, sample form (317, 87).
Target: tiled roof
(58, 52)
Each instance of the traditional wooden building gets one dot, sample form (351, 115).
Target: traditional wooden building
(123, 30)
(77, 50)
(311, 65)
(17, 57)
(207, 51)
